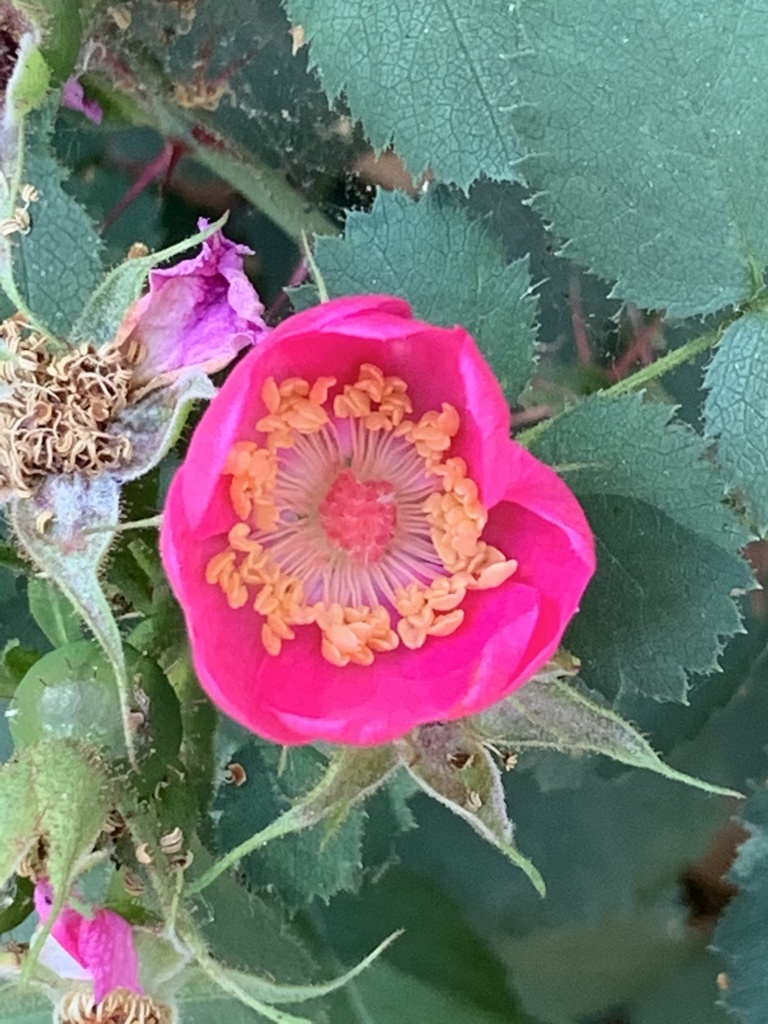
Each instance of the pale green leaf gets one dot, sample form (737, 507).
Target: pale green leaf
(556, 715)
(53, 612)
(70, 550)
(57, 264)
(648, 131)
(741, 936)
(736, 409)
(153, 424)
(435, 78)
(28, 84)
(452, 766)
(69, 693)
(397, 249)
(653, 500)
(18, 816)
(19, 1007)
(71, 794)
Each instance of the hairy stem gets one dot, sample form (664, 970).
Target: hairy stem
(657, 369)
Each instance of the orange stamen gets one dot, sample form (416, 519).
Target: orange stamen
(356, 530)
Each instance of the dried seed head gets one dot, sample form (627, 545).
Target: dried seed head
(119, 1007)
(56, 409)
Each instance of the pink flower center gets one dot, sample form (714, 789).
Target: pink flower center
(360, 516)
(382, 556)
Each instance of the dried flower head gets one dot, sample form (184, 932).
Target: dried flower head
(56, 407)
(121, 1006)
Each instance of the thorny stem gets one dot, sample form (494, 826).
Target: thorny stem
(657, 369)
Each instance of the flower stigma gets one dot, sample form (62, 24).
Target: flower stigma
(355, 518)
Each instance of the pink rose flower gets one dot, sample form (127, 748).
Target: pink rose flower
(102, 945)
(197, 315)
(358, 545)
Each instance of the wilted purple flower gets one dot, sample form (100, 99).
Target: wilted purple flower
(197, 314)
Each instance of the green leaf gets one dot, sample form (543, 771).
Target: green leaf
(550, 714)
(453, 767)
(53, 613)
(653, 501)
(475, 286)
(435, 78)
(71, 556)
(104, 311)
(351, 775)
(57, 264)
(305, 865)
(649, 143)
(20, 1007)
(69, 693)
(29, 82)
(736, 409)
(440, 965)
(741, 936)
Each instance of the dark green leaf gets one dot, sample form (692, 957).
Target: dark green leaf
(649, 141)
(435, 78)
(736, 409)
(653, 501)
(397, 249)
(438, 969)
(741, 935)
(303, 866)
(17, 904)
(57, 264)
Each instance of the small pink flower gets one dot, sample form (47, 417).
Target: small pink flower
(102, 945)
(197, 314)
(73, 96)
(358, 545)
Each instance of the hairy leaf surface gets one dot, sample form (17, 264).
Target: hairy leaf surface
(649, 133)
(435, 78)
(736, 409)
(654, 503)
(451, 270)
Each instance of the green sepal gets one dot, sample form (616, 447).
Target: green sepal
(551, 714)
(453, 767)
